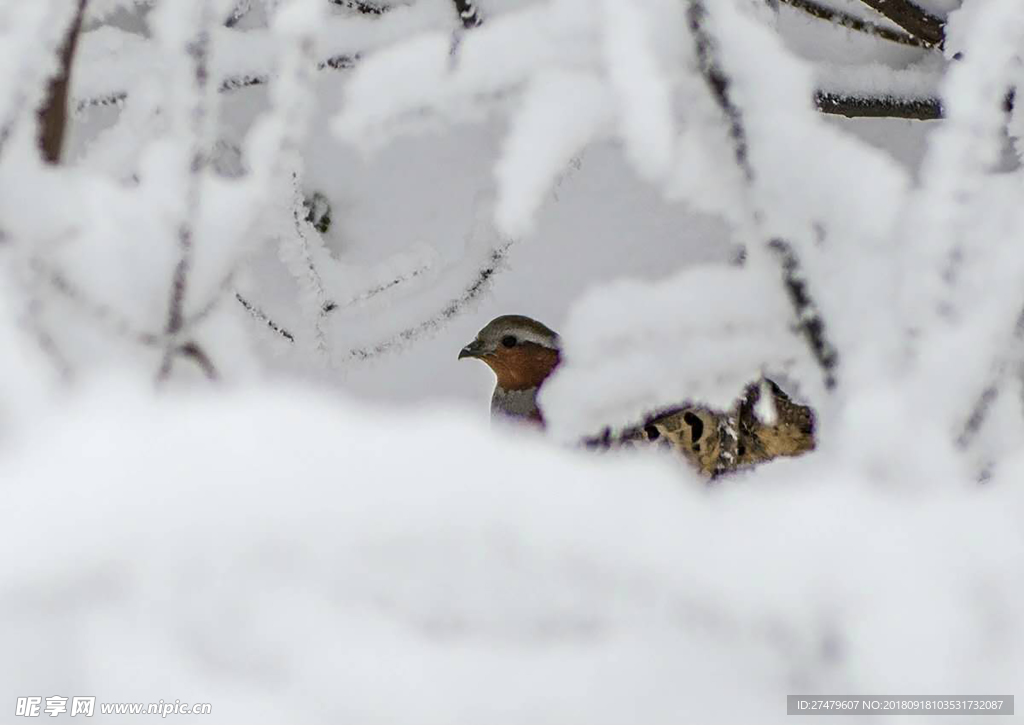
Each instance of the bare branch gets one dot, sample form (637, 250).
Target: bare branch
(339, 62)
(53, 114)
(198, 50)
(917, 109)
(852, 22)
(916, 21)
(979, 413)
(809, 318)
(228, 85)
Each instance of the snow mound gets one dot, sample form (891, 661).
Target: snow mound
(281, 555)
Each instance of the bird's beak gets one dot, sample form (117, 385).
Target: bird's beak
(473, 349)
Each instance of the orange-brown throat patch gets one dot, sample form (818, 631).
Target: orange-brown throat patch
(524, 366)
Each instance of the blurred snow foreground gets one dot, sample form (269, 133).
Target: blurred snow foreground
(287, 558)
(189, 516)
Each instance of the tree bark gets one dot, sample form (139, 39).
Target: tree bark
(53, 115)
(914, 20)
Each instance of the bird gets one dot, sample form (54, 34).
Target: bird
(522, 353)
(762, 425)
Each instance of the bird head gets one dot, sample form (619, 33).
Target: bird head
(521, 351)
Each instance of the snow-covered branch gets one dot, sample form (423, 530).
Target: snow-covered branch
(196, 129)
(912, 18)
(362, 6)
(854, 106)
(806, 312)
(854, 22)
(478, 285)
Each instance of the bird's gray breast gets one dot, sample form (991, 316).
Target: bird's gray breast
(515, 404)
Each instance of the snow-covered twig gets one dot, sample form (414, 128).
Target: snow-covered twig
(851, 106)
(227, 85)
(291, 99)
(44, 340)
(991, 392)
(480, 283)
(299, 255)
(198, 51)
(261, 316)
(913, 19)
(852, 22)
(367, 8)
(379, 289)
(114, 99)
(808, 316)
(917, 109)
(107, 316)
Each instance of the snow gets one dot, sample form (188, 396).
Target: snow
(330, 530)
(626, 327)
(562, 112)
(279, 554)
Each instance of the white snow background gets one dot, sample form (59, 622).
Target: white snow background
(332, 532)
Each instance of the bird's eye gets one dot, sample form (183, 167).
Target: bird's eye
(696, 425)
(509, 341)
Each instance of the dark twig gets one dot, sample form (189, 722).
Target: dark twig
(114, 99)
(191, 351)
(367, 8)
(719, 85)
(809, 318)
(45, 340)
(103, 313)
(304, 266)
(920, 109)
(260, 315)
(979, 412)
(199, 50)
(852, 22)
(229, 84)
(481, 282)
(53, 114)
(916, 21)
(379, 289)
(338, 62)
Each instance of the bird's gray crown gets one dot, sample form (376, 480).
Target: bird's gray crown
(525, 329)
